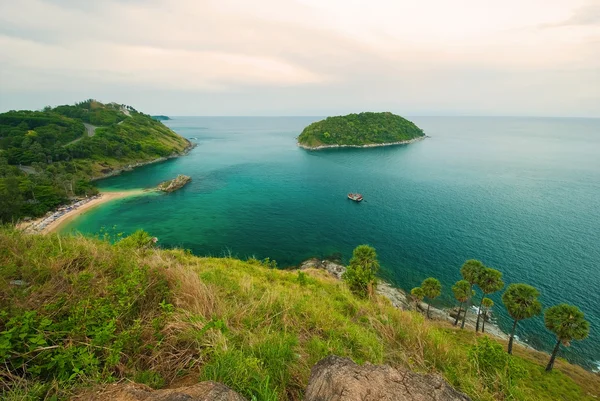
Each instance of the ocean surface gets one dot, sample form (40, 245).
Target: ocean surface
(520, 194)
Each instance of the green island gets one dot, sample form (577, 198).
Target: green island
(50, 156)
(77, 314)
(359, 130)
(161, 118)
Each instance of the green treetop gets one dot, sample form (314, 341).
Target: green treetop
(432, 288)
(361, 272)
(521, 302)
(568, 323)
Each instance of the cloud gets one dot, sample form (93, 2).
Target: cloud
(299, 56)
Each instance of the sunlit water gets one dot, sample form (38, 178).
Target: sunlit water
(521, 194)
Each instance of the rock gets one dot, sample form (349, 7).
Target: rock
(204, 391)
(340, 379)
(334, 268)
(174, 184)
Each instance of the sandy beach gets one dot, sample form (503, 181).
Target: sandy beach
(59, 218)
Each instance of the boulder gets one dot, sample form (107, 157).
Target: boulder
(174, 184)
(204, 391)
(340, 379)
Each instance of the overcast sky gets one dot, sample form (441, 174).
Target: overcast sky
(305, 57)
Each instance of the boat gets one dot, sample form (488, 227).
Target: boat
(355, 197)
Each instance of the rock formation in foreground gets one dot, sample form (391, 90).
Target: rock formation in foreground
(173, 185)
(340, 379)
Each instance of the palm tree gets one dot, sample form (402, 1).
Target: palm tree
(568, 323)
(461, 293)
(418, 294)
(432, 289)
(521, 303)
(470, 270)
(487, 304)
(490, 280)
(361, 273)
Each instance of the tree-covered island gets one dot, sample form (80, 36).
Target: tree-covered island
(360, 130)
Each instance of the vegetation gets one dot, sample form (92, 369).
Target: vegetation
(487, 305)
(470, 272)
(47, 157)
(568, 323)
(87, 312)
(362, 270)
(432, 288)
(359, 129)
(417, 294)
(521, 302)
(462, 292)
(490, 281)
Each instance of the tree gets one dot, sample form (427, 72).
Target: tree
(462, 294)
(432, 288)
(487, 305)
(490, 281)
(521, 301)
(568, 323)
(470, 270)
(418, 294)
(360, 273)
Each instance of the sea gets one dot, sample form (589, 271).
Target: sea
(520, 194)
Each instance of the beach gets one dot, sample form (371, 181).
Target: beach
(55, 220)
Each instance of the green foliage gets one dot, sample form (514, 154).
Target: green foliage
(461, 290)
(498, 371)
(471, 270)
(417, 293)
(521, 301)
(490, 281)
(567, 322)
(46, 157)
(431, 287)
(361, 273)
(93, 313)
(359, 129)
(139, 239)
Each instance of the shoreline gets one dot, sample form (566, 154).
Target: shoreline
(133, 166)
(58, 218)
(371, 145)
(401, 300)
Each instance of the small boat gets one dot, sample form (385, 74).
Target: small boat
(355, 197)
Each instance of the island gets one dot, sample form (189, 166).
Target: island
(161, 118)
(360, 131)
(173, 185)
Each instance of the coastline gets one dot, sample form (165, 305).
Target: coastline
(130, 167)
(371, 145)
(401, 300)
(55, 220)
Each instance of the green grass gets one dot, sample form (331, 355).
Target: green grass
(94, 313)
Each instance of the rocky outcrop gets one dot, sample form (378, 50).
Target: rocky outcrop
(204, 391)
(173, 185)
(340, 379)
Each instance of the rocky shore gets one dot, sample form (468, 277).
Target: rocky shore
(132, 166)
(371, 145)
(401, 300)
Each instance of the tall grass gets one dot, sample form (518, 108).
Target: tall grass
(161, 316)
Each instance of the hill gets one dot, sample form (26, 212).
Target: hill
(77, 312)
(49, 156)
(359, 130)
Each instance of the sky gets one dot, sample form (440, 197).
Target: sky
(305, 57)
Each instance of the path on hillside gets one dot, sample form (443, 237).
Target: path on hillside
(91, 131)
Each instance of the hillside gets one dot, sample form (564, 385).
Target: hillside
(49, 156)
(77, 312)
(359, 130)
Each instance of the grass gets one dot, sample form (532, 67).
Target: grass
(95, 313)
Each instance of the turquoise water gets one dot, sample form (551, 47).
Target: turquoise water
(521, 194)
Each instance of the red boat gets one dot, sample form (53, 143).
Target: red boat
(355, 197)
